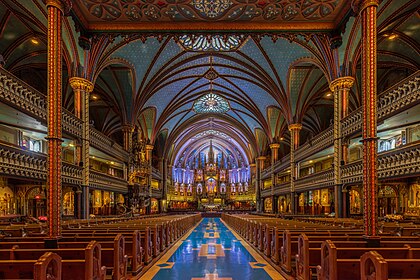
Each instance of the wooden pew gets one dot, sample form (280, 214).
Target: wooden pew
(345, 263)
(48, 266)
(88, 268)
(374, 267)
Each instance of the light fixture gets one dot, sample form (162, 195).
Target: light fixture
(35, 41)
(71, 145)
(94, 97)
(311, 161)
(328, 94)
(392, 36)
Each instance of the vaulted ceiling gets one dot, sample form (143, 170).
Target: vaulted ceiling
(151, 61)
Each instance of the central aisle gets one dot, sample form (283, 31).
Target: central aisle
(212, 251)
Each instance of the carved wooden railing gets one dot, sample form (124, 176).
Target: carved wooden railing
(106, 144)
(317, 180)
(156, 174)
(404, 161)
(352, 172)
(318, 143)
(282, 188)
(402, 96)
(157, 193)
(280, 165)
(19, 94)
(266, 173)
(265, 192)
(103, 181)
(16, 162)
(71, 124)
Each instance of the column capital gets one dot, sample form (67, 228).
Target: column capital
(149, 147)
(274, 146)
(295, 126)
(63, 5)
(127, 127)
(261, 158)
(342, 83)
(81, 84)
(359, 5)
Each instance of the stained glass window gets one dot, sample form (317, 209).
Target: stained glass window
(211, 103)
(210, 43)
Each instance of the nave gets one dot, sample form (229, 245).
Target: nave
(212, 251)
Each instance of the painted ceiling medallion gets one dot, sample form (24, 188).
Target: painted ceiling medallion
(211, 74)
(211, 103)
(210, 43)
(211, 8)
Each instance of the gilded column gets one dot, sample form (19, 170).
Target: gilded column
(127, 130)
(253, 171)
(164, 173)
(274, 158)
(82, 88)
(340, 88)
(294, 144)
(55, 10)
(149, 149)
(259, 186)
(367, 12)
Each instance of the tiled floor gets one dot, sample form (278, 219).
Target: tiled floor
(212, 251)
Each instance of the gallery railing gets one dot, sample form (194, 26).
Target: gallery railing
(396, 163)
(16, 162)
(400, 97)
(27, 99)
(107, 182)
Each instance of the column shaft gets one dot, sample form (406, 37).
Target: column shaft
(340, 88)
(55, 14)
(367, 12)
(294, 144)
(274, 158)
(82, 88)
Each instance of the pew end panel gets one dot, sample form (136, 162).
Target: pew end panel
(48, 266)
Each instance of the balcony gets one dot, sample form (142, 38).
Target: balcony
(156, 174)
(397, 163)
(280, 165)
(104, 181)
(106, 144)
(19, 163)
(317, 180)
(398, 98)
(25, 98)
(320, 142)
